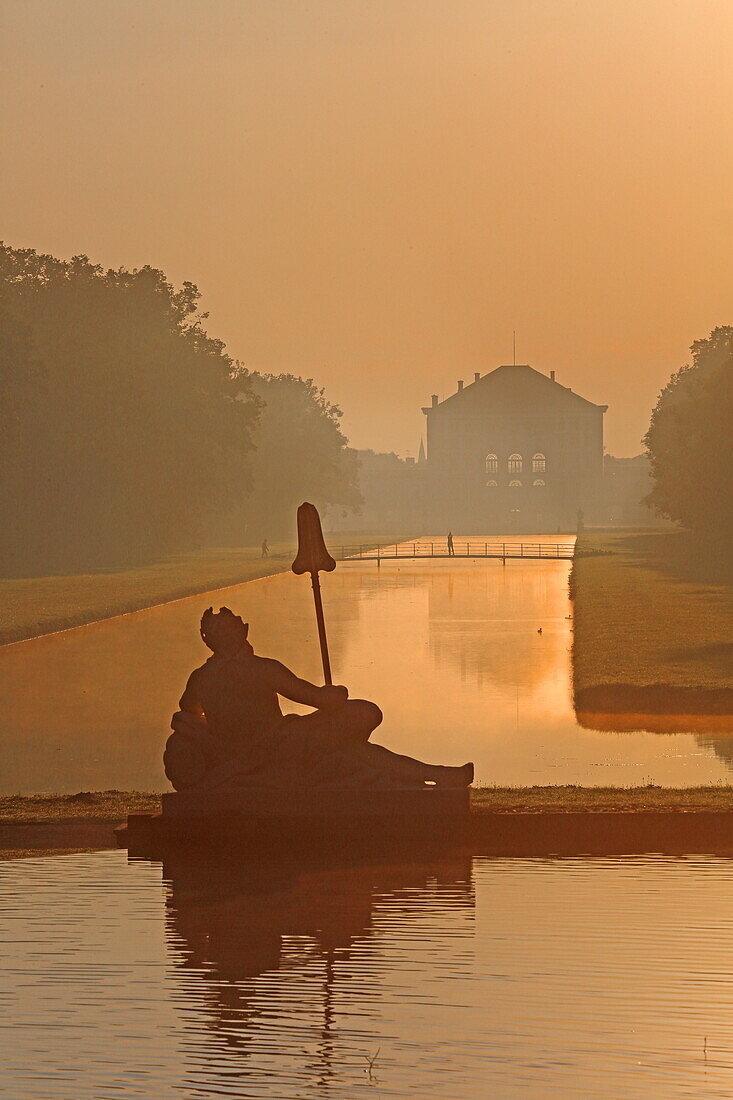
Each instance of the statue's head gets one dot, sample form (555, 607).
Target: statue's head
(223, 631)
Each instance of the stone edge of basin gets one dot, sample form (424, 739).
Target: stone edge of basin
(496, 833)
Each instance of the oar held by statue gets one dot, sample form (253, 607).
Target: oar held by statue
(312, 554)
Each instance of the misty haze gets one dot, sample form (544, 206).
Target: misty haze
(366, 660)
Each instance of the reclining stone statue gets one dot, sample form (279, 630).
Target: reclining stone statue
(231, 732)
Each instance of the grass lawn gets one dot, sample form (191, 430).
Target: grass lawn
(30, 606)
(653, 625)
(41, 825)
(576, 799)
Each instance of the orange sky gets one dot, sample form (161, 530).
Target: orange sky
(376, 192)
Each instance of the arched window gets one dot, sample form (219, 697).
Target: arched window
(539, 483)
(515, 485)
(491, 484)
(492, 464)
(539, 464)
(515, 464)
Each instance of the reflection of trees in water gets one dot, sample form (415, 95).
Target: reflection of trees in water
(269, 945)
(721, 744)
(711, 727)
(718, 740)
(486, 622)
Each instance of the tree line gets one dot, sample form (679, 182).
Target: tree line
(689, 440)
(129, 432)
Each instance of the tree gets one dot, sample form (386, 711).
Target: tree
(124, 428)
(689, 440)
(301, 453)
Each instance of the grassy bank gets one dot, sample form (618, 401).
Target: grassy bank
(43, 824)
(653, 623)
(30, 606)
(38, 825)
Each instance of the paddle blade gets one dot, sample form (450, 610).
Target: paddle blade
(312, 553)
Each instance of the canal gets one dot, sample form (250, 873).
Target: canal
(469, 660)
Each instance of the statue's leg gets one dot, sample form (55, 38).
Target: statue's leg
(352, 723)
(333, 744)
(406, 769)
(359, 718)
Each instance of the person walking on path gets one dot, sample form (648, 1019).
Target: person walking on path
(451, 551)
(265, 549)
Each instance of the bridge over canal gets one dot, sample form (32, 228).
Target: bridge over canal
(428, 549)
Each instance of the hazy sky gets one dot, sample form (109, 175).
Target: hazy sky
(376, 192)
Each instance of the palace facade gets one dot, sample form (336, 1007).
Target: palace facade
(513, 451)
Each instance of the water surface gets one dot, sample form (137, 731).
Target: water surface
(500, 978)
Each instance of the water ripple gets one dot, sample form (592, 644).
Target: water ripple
(496, 978)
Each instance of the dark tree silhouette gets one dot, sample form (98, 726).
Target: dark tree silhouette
(124, 429)
(689, 440)
(301, 452)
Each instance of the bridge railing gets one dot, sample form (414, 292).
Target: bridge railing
(470, 548)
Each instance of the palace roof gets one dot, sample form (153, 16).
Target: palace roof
(512, 386)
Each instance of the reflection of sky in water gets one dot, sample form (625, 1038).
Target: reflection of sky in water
(450, 651)
(463, 979)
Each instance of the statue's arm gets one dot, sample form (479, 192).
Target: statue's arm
(289, 685)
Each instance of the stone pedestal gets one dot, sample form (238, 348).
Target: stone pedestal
(306, 802)
(262, 821)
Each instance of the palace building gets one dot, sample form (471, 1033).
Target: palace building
(512, 451)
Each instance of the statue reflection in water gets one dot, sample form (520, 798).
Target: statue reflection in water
(252, 933)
